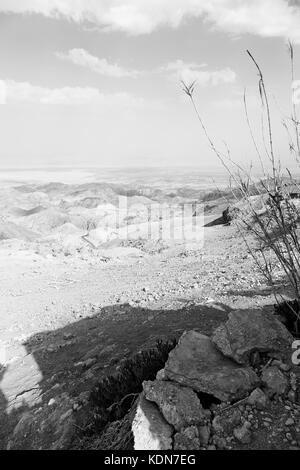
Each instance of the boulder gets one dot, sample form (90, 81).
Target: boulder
(197, 364)
(150, 430)
(179, 405)
(249, 331)
(274, 381)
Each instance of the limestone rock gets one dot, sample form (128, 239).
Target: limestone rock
(220, 442)
(250, 331)
(179, 405)
(149, 428)
(258, 399)
(243, 433)
(204, 435)
(274, 381)
(224, 423)
(188, 439)
(197, 364)
(160, 375)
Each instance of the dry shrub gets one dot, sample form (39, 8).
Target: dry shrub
(266, 211)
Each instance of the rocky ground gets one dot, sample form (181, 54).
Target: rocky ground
(66, 321)
(235, 389)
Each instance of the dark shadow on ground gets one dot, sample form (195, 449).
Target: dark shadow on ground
(107, 338)
(3, 404)
(218, 221)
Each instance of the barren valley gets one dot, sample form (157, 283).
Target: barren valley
(76, 300)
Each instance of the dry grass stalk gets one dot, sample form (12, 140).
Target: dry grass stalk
(275, 230)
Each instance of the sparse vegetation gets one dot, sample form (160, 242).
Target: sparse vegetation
(114, 395)
(273, 223)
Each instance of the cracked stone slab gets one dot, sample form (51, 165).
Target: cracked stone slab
(179, 405)
(250, 331)
(196, 363)
(20, 383)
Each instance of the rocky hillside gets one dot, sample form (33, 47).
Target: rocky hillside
(237, 389)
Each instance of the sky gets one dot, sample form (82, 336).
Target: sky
(87, 83)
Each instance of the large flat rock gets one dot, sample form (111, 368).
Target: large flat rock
(179, 405)
(250, 331)
(196, 363)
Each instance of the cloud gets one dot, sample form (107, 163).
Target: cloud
(24, 92)
(101, 66)
(3, 94)
(236, 102)
(267, 18)
(188, 72)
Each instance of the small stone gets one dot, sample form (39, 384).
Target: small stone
(293, 380)
(161, 374)
(89, 363)
(258, 399)
(282, 366)
(292, 396)
(51, 402)
(84, 397)
(188, 439)
(78, 364)
(204, 434)
(68, 336)
(77, 406)
(220, 442)
(274, 381)
(242, 434)
(66, 415)
(289, 422)
(267, 419)
(226, 422)
(89, 375)
(55, 387)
